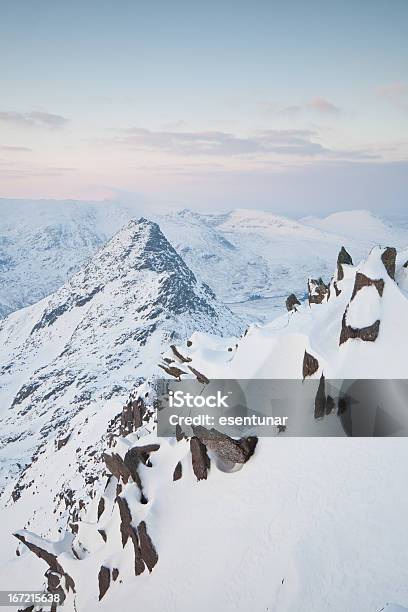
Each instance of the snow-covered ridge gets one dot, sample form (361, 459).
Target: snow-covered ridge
(89, 342)
(172, 515)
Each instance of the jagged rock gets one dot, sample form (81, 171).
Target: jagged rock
(178, 471)
(317, 290)
(368, 334)
(200, 377)
(362, 280)
(62, 441)
(149, 554)
(132, 416)
(115, 574)
(310, 365)
(103, 581)
(173, 371)
(236, 451)
(342, 406)
(292, 302)
(143, 452)
(102, 533)
(405, 264)
(388, 258)
(125, 519)
(199, 458)
(116, 466)
(329, 404)
(179, 355)
(55, 588)
(128, 531)
(320, 399)
(49, 558)
(101, 507)
(136, 455)
(179, 433)
(337, 290)
(189, 343)
(343, 258)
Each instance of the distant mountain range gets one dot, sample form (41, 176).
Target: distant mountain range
(249, 258)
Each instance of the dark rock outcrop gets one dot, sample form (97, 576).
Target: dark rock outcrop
(62, 441)
(368, 334)
(320, 399)
(132, 416)
(172, 371)
(336, 289)
(55, 588)
(179, 433)
(200, 377)
(145, 552)
(149, 554)
(343, 258)
(330, 404)
(362, 280)
(101, 507)
(388, 258)
(137, 455)
(103, 581)
(317, 290)
(117, 466)
(49, 558)
(128, 531)
(310, 365)
(235, 451)
(178, 471)
(199, 458)
(179, 355)
(292, 302)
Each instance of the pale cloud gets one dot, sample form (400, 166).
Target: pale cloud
(13, 149)
(396, 93)
(321, 105)
(33, 119)
(261, 144)
(223, 144)
(318, 105)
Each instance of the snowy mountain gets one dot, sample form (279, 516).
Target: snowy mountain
(43, 242)
(90, 341)
(360, 223)
(250, 258)
(280, 523)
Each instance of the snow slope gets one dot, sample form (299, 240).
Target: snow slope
(308, 524)
(43, 242)
(91, 340)
(362, 224)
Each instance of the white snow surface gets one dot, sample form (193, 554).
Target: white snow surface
(307, 524)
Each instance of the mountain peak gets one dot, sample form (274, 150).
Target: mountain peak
(102, 331)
